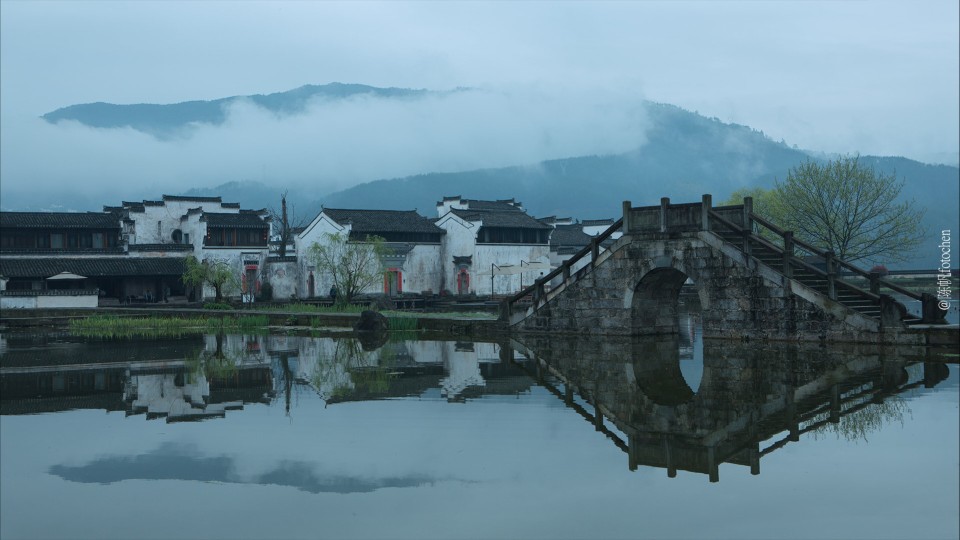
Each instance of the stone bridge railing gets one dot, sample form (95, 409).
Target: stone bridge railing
(537, 291)
(754, 236)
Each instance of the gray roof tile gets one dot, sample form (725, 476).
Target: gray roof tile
(92, 267)
(59, 220)
(376, 221)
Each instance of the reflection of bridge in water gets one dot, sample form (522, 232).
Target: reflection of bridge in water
(750, 401)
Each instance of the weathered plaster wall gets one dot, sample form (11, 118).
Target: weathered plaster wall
(459, 241)
(283, 277)
(48, 301)
(422, 269)
(168, 216)
(506, 254)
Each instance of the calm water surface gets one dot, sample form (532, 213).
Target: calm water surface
(301, 437)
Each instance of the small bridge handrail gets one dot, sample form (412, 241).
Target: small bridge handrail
(567, 263)
(840, 262)
(715, 216)
(800, 263)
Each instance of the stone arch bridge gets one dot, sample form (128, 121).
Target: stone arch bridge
(753, 280)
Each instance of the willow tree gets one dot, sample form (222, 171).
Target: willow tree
(353, 266)
(216, 273)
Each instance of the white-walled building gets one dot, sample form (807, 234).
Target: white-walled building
(414, 242)
(130, 253)
(491, 247)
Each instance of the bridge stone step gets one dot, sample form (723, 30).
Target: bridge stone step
(819, 283)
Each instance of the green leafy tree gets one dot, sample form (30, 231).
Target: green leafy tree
(842, 206)
(850, 209)
(353, 266)
(214, 272)
(766, 202)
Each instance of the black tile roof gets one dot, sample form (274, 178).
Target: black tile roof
(502, 205)
(191, 199)
(375, 221)
(92, 267)
(244, 220)
(49, 252)
(569, 236)
(59, 220)
(508, 205)
(594, 222)
(160, 247)
(511, 219)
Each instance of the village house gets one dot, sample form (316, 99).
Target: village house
(490, 247)
(414, 243)
(130, 253)
(136, 252)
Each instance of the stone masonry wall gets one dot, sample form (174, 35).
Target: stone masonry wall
(740, 298)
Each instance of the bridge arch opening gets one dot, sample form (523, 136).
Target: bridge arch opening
(656, 303)
(666, 304)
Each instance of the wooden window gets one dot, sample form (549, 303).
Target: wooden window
(56, 241)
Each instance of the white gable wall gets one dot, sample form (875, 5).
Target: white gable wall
(314, 233)
(459, 241)
(155, 225)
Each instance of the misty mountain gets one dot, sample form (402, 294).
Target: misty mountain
(167, 120)
(686, 155)
(683, 156)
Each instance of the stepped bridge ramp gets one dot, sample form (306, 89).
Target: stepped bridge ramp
(752, 278)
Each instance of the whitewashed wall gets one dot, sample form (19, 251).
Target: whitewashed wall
(459, 241)
(284, 278)
(48, 301)
(506, 254)
(422, 269)
(18, 302)
(314, 233)
(168, 216)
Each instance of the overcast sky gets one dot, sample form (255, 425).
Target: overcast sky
(857, 76)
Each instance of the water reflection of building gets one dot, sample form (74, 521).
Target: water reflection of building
(339, 370)
(204, 377)
(751, 400)
(175, 379)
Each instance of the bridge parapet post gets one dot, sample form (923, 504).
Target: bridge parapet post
(747, 223)
(664, 205)
(626, 217)
(706, 204)
(875, 282)
(788, 254)
(831, 274)
(594, 252)
(565, 269)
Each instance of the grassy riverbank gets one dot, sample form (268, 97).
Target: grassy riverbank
(110, 326)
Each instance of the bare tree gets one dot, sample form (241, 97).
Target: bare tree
(287, 223)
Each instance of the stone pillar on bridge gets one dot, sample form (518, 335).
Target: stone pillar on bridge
(706, 204)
